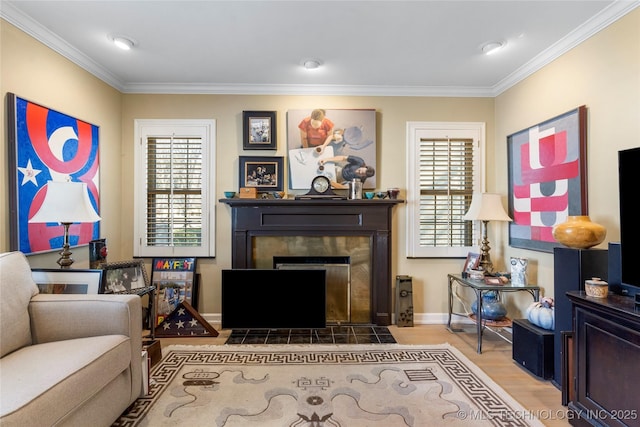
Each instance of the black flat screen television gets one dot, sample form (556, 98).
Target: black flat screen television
(628, 176)
(273, 299)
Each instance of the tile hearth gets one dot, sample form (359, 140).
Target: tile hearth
(342, 334)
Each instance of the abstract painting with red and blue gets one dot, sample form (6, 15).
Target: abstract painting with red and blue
(547, 178)
(46, 145)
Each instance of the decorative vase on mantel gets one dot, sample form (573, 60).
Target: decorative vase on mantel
(579, 232)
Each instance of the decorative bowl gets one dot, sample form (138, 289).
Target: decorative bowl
(369, 194)
(381, 194)
(229, 194)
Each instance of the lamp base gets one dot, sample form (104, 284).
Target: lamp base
(485, 259)
(65, 259)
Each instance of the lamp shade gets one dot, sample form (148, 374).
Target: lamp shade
(486, 207)
(66, 202)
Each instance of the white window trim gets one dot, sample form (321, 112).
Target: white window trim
(415, 132)
(205, 129)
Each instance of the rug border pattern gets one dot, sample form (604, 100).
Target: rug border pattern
(471, 380)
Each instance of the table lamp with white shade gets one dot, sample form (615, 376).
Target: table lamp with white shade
(486, 207)
(66, 203)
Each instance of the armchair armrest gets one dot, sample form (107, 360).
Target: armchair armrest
(62, 317)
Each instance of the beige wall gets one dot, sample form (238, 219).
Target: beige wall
(603, 73)
(34, 72)
(429, 276)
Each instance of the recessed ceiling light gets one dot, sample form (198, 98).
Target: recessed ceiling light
(122, 42)
(311, 64)
(492, 47)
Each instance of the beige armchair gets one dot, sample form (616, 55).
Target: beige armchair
(65, 359)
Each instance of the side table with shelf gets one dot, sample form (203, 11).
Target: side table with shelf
(151, 291)
(480, 287)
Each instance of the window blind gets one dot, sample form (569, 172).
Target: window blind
(446, 178)
(174, 191)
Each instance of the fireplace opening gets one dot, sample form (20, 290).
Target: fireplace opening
(338, 280)
(356, 251)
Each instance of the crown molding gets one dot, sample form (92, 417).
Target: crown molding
(336, 90)
(598, 22)
(16, 17)
(606, 17)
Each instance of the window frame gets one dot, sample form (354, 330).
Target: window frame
(416, 131)
(197, 128)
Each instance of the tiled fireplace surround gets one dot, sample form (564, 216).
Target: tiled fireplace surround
(358, 229)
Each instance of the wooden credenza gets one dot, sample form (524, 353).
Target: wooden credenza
(606, 361)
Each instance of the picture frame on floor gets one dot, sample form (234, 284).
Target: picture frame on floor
(175, 280)
(67, 281)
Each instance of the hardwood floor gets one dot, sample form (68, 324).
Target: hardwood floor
(541, 398)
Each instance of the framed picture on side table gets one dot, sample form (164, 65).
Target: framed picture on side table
(472, 262)
(124, 277)
(57, 281)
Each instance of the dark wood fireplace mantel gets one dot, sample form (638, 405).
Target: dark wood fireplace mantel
(287, 217)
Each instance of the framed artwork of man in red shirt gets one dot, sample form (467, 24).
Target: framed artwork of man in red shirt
(317, 134)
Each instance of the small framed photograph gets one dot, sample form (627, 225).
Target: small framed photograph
(124, 277)
(259, 130)
(472, 262)
(262, 173)
(57, 281)
(494, 281)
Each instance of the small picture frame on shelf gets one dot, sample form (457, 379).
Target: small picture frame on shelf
(259, 130)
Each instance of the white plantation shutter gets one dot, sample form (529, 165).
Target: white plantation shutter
(175, 189)
(446, 187)
(444, 170)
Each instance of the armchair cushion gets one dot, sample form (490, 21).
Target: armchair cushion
(16, 289)
(82, 369)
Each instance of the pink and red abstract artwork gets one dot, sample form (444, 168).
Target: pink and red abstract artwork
(547, 179)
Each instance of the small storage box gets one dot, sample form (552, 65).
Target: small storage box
(248, 193)
(533, 348)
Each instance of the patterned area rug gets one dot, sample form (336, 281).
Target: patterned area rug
(384, 385)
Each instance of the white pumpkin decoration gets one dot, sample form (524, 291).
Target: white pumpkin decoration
(541, 313)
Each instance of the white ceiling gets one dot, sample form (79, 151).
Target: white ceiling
(412, 48)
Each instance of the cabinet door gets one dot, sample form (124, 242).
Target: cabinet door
(608, 350)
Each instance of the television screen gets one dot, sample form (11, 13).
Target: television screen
(273, 299)
(628, 161)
